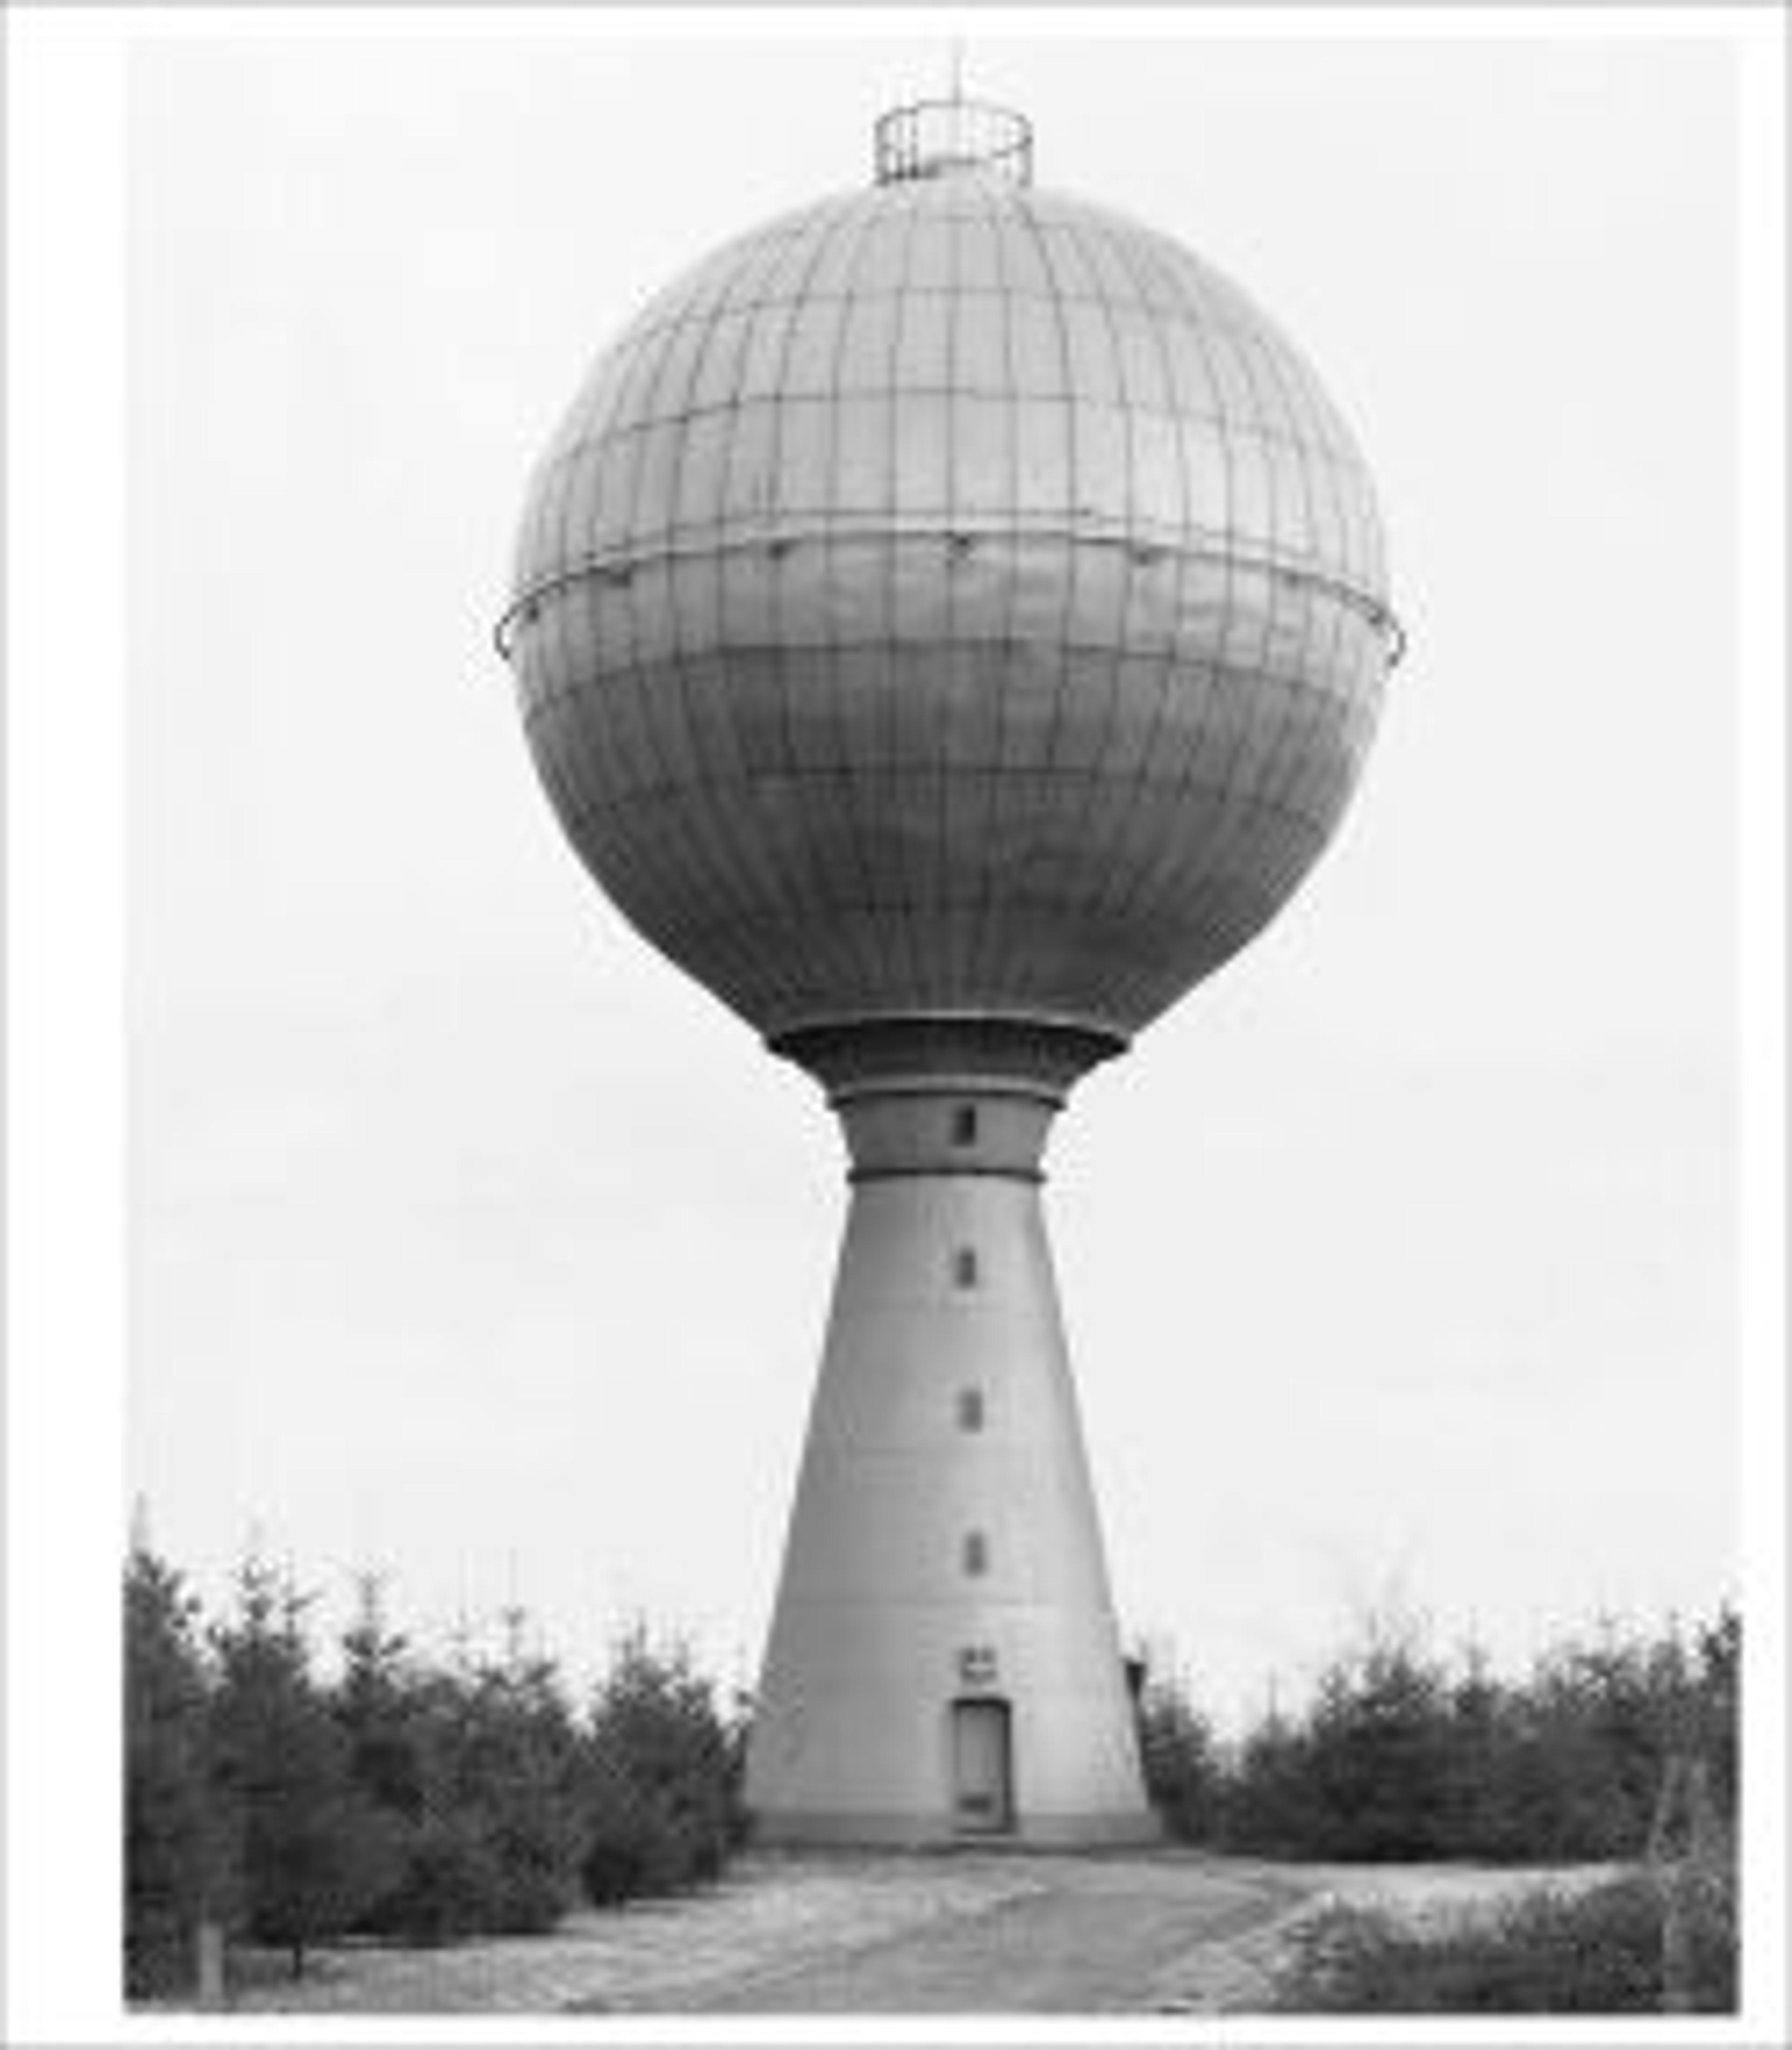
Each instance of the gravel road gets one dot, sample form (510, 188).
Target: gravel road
(1084, 1939)
(958, 1933)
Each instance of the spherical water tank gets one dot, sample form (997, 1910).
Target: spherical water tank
(951, 600)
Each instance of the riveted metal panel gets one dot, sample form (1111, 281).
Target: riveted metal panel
(953, 592)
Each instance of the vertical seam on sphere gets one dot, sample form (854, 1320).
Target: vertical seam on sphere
(766, 973)
(811, 667)
(857, 937)
(1215, 665)
(1098, 847)
(998, 213)
(945, 686)
(902, 935)
(1242, 799)
(629, 714)
(723, 913)
(697, 836)
(1182, 848)
(1329, 549)
(1140, 259)
(1316, 609)
(1041, 774)
(679, 864)
(886, 712)
(1279, 594)
(595, 800)
(745, 296)
(796, 893)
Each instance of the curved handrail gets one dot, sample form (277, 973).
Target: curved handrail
(959, 537)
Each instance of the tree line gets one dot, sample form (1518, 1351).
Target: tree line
(411, 1799)
(1401, 1753)
(419, 1800)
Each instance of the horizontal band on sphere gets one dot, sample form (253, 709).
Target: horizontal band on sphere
(616, 571)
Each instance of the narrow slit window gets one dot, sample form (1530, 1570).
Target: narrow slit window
(964, 1125)
(964, 1267)
(970, 1410)
(976, 1554)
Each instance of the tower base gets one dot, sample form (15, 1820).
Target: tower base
(945, 1665)
(841, 1829)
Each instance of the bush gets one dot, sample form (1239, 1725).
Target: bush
(1366, 1773)
(633, 1846)
(1401, 1756)
(1599, 1952)
(476, 1766)
(517, 1770)
(314, 1854)
(449, 1878)
(1177, 1753)
(177, 1867)
(661, 1802)
(408, 1800)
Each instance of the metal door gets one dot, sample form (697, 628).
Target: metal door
(982, 1774)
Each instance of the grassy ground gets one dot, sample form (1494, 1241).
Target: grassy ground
(1600, 1949)
(965, 1933)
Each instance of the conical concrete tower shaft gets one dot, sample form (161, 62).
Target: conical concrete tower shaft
(944, 1660)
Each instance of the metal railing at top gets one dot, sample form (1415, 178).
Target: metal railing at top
(930, 136)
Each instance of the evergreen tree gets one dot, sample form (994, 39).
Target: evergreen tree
(177, 1871)
(1269, 1802)
(1378, 1753)
(1596, 1731)
(1716, 1703)
(1476, 1740)
(1179, 1760)
(1397, 1757)
(451, 1883)
(313, 1853)
(662, 1780)
(395, 1716)
(516, 1776)
(379, 1705)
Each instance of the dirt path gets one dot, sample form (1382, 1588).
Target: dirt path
(966, 1933)
(1092, 1940)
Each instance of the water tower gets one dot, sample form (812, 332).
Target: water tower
(949, 623)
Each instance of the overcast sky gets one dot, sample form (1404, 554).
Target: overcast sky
(470, 1241)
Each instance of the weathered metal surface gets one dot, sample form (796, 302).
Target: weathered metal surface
(950, 598)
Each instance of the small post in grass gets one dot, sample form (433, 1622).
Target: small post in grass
(1681, 1844)
(209, 1945)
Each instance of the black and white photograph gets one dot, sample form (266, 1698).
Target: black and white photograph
(897, 1024)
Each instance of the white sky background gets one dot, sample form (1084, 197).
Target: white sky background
(470, 1240)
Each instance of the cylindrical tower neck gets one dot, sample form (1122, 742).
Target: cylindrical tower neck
(943, 1095)
(969, 1128)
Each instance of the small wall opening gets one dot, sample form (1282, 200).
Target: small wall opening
(964, 1267)
(975, 1554)
(964, 1124)
(970, 1410)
